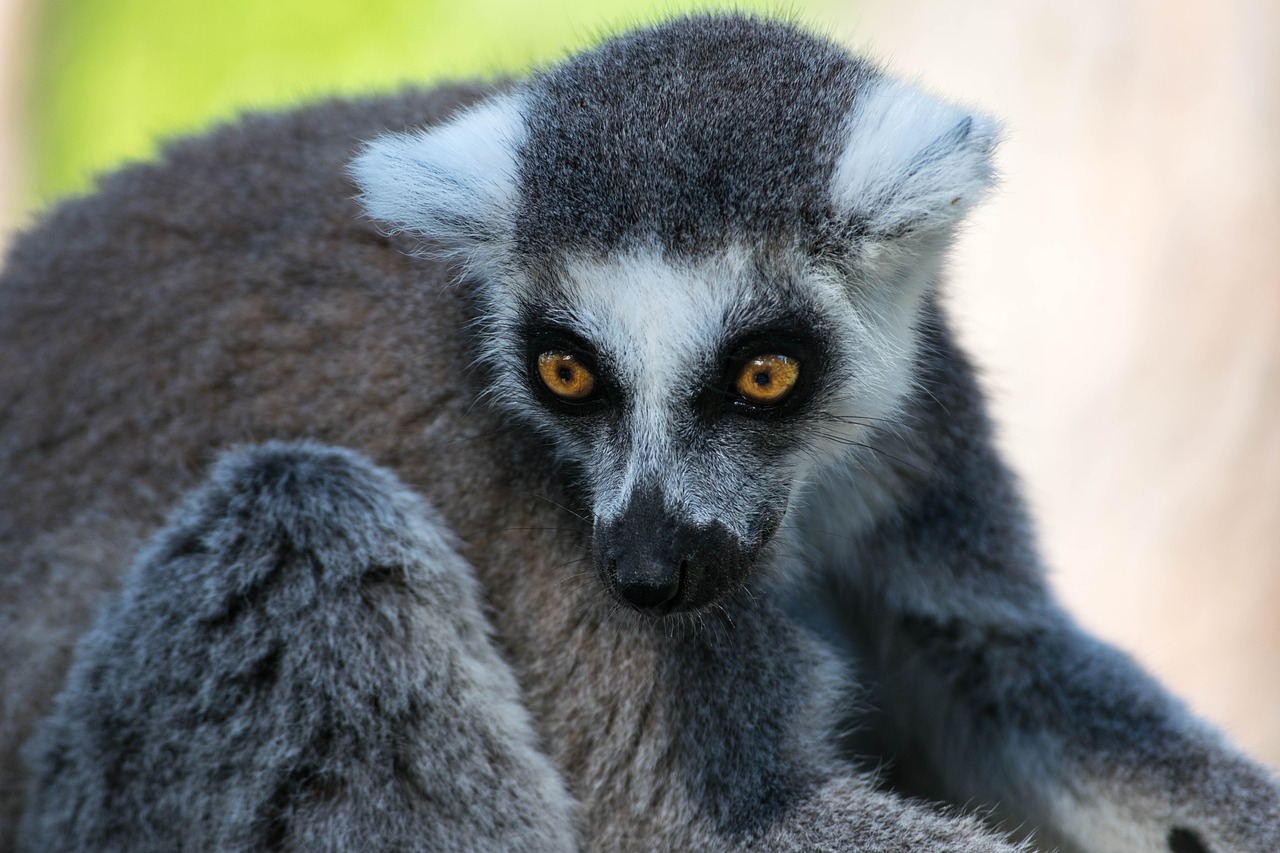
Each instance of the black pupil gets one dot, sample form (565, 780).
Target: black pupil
(761, 378)
(565, 373)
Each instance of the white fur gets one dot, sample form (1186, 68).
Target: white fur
(907, 164)
(660, 319)
(657, 320)
(455, 183)
(1109, 821)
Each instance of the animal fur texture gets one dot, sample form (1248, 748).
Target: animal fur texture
(662, 613)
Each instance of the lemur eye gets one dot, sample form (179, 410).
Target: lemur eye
(767, 379)
(566, 376)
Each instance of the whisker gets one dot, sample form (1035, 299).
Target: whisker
(905, 463)
(473, 404)
(569, 530)
(817, 530)
(576, 515)
(865, 420)
(573, 577)
(556, 567)
(881, 451)
(586, 582)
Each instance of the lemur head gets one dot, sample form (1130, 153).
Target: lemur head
(700, 250)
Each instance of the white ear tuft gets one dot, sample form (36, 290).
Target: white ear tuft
(455, 183)
(912, 163)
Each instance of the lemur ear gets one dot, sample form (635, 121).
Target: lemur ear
(911, 164)
(454, 183)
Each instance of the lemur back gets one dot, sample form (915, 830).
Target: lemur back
(648, 354)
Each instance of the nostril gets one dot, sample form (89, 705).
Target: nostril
(1185, 841)
(654, 597)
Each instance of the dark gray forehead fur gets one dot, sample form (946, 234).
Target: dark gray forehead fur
(685, 135)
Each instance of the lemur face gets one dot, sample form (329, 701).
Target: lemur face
(694, 395)
(699, 253)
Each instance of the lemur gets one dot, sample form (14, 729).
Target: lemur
(598, 471)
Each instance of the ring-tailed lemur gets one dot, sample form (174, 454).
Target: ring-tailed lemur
(734, 466)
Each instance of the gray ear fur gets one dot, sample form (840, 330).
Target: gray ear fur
(912, 163)
(454, 183)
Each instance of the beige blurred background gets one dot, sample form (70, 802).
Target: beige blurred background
(1122, 293)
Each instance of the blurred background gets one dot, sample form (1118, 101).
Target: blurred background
(1121, 292)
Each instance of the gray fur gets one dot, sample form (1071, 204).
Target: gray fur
(297, 661)
(235, 293)
(721, 155)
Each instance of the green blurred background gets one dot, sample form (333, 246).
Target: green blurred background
(112, 78)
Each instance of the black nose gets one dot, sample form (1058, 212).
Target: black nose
(650, 586)
(654, 560)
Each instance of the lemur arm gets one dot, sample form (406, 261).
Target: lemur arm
(987, 693)
(297, 661)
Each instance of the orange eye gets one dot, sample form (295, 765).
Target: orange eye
(766, 379)
(565, 376)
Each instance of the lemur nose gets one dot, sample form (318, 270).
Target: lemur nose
(654, 558)
(646, 555)
(648, 585)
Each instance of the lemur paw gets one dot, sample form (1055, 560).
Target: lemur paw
(1229, 805)
(1183, 840)
(1201, 799)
